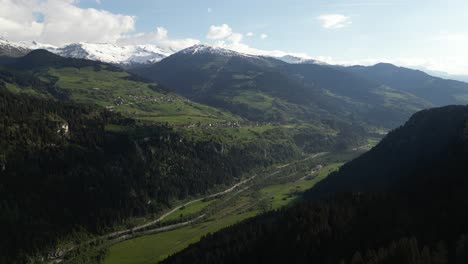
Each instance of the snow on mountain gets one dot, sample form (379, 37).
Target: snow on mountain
(109, 53)
(12, 49)
(205, 49)
(23, 47)
(116, 54)
(127, 55)
(298, 60)
(33, 45)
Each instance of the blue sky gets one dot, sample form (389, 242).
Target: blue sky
(431, 34)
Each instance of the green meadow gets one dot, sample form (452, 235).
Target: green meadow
(222, 212)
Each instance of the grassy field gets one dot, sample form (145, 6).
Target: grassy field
(146, 101)
(225, 211)
(284, 194)
(254, 132)
(154, 248)
(270, 107)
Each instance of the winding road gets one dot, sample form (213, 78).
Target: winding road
(115, 237)
(118, 236)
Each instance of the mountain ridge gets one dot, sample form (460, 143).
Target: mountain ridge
(125, 55)
(269, 89)
(437, 90)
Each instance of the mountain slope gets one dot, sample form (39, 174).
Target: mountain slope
(266, 89)
(10, 49)
(126, 55)
(405, 203)
(68, 168)
(298, 60)
(122, 55)
(436, 90)
(93, 82)
(426, 153)
(237, 82)
(361, 97)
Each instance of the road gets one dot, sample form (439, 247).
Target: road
(57, 257)
(175, 209)
(122, 235)
(157, 230)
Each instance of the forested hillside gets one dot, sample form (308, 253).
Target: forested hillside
(428, 153)
(65, 167)
(402, 202)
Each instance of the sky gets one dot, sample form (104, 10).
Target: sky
(426, 34)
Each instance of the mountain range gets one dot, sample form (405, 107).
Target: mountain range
(130, 55)
(122, 55)
(130, 129)
(436, 90)
(287, 89)
(268, 89)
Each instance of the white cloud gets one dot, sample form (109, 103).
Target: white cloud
(17, 20)
(61, 22)
(64, 22)
(219, 32)
(158, 37)
(263, 36)
(209, 10)
(458, 37)
(228, 39)
(235, 37)
(250, 34)
(334, 21)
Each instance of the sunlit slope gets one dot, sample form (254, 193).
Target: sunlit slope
(92, 82)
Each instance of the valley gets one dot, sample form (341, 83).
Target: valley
(269, 189)
(233, 132)
(409, 189)
(143, 163)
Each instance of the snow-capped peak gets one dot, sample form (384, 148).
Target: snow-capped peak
(298, 60)
(127, 55)
(112, 53)
(205, 49)
(26, 45)
(8, 48)
(34, 45)
(104, 52)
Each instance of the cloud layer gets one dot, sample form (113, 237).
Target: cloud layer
(223, 36)
(159, 37)
(334, 21)
(60, 22)
(219, 32)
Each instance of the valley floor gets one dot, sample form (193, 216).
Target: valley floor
(271, 189)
